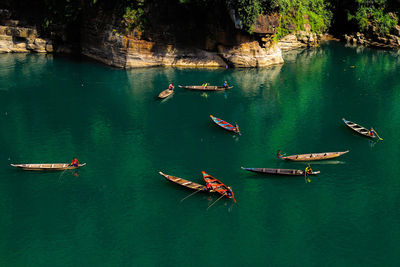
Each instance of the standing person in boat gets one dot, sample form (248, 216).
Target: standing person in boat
(226, 85)
(75, 162)
(171, 86)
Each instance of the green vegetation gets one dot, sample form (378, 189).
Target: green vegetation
(373, 13)
(133, 16)
(295, 15)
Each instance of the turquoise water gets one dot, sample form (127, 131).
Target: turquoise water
(119, 211)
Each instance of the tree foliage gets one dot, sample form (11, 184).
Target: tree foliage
(372, 13)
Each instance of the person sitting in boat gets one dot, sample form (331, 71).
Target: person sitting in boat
(226, 85)
(75, 162)
(371, 133)
(279, 155)
(171, 86)
(237, 128)
(308, 170)
(208, 187)
(205, 85)
(229, 192)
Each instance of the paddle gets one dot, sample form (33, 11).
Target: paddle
(377, 135)
(216, 201)
(191, 194)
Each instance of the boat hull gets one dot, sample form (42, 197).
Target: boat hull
(223, 124)
(183, 182)
(315, 156)
(166, 93)
(208, 88)
(47, 166)
(289, 172)
(217, 185)
(358, 128)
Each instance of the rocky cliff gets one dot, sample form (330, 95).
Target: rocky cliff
(22, 39)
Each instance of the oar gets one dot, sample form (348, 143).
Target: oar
(216, 201)
(191, 194)
(377, 134)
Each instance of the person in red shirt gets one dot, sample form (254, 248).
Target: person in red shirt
(75, 162)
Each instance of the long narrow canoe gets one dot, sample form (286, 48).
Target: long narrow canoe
(315, 156)
(279, 171)
(217, 185)
(358, 128)
(225, 125)
(47, 166)
(207, 88)
(165, 93)
(183, 182)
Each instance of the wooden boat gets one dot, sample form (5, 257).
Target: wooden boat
(183, 182)
(217, 185)
(47, 166)
(315, 156)
(207, 88)
(166, 93)
(279, 171)
(225, 125)
(358, 128)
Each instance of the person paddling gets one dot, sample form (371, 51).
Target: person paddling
(371, 133)
(226, 85)
(208, 187)
(75, 162)
(171, 86)
(279, 155)
(308, 170)
(229, 192)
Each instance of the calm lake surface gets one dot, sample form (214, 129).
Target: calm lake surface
(120, 212)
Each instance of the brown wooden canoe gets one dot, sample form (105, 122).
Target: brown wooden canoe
(208, 88)
(183, 182)
(315, 156)
(165, 93)
(47, 166)
(358, 128)
(279, 171)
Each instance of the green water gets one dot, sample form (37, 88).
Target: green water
(120, 212)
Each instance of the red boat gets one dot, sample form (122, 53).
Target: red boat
(225, 125)
(218, 186)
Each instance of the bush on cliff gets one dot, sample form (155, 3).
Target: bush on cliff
(372, 13)
(295, 15)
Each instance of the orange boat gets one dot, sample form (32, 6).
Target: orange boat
(218, 186)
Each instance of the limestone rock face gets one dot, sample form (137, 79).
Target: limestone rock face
(124, 52)
(250, 54)
(373, 39)
(290, 42)
(16, 39)
(299, 39)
